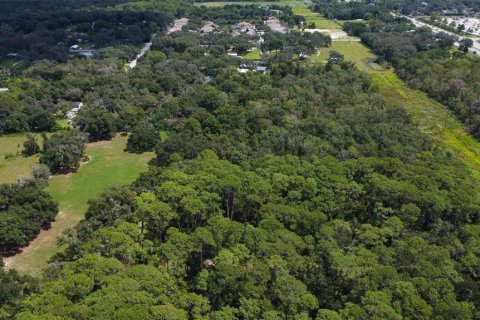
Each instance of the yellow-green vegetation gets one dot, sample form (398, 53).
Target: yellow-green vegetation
(432, 117)
(108, 165)
(63, 124)
(13, 165)
(355, 52)
(253, 55)
(319, 21)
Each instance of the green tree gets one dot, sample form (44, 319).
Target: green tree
(30, 146)
(153, 215)
(62, 152)
(143, 138)
(96, 123)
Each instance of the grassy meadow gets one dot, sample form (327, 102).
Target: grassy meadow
(108, 165)
(13, 165)
(253, 55)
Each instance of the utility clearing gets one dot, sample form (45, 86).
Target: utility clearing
(431, 116)
(108, 165)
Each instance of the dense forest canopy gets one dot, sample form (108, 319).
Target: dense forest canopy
(295, 193)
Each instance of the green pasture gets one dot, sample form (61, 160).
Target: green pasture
(13, 165)
(313, 17)
(253, 55)
(109, 165)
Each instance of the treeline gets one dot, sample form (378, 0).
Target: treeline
(24, 209)
(48, 34)
(350, 10)
(13, 7)
(419, 7)
(232, 14)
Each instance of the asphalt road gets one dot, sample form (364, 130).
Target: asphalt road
(418, 23)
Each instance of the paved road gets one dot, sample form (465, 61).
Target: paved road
(418, 23)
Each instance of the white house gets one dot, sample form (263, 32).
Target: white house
(76, 106)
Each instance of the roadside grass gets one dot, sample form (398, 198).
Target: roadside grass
(108, 165)
(253, 55)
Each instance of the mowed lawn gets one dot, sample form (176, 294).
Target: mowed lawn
(353, 51)
(253, 55)
(313, 17)
(108, 165)
(13, 165)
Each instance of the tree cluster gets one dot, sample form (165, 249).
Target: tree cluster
(295, 194)
(24, 209)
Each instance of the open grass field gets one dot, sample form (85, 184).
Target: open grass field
(108, 165)
(353, 51)
(13, 165)
(320, 21)
(253, 55)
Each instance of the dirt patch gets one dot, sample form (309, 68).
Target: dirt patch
(209, 27)
(178, 24)
(276, 25)
(244, 27)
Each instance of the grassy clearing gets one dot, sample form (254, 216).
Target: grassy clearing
(320, 21)
(432, 117)
(13, 165)
(355, 52)
(253, 55)
(63, 124)
(108, 165)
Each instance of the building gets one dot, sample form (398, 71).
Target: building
(76, 106)
(303, 56)
(261, 69)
